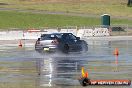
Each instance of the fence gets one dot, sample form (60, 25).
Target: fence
(83, 32)
(120, 30)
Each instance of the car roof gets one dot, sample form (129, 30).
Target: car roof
(56, 33)
(61, 33)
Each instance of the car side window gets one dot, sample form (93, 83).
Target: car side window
(64, 36)
(72, 37)
(68, 37)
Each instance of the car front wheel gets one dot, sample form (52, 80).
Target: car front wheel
(66, 48)
(84, 46)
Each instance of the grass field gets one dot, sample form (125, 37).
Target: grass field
(117, 8)
(13, 19)
(93, 8)
(9, 19)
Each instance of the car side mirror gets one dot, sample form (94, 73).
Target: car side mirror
(38, 39)
(78, 38)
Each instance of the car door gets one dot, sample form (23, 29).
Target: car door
(72, 41)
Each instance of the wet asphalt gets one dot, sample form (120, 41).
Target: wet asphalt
(24, 67)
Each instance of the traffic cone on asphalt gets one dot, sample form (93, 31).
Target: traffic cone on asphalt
(20, 44)
(116, 52)
(84, 80)
(84, 74)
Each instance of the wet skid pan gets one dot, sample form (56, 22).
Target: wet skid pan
(68, 74)
(26, 68)
(17, 74)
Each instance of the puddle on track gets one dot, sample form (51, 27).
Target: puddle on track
(25, 68)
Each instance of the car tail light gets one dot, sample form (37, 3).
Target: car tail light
(55, 42)
(38, 42)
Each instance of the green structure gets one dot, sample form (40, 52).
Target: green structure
(129, 2)
(105, 20)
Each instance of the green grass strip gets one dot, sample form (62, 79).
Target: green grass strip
(13, 19)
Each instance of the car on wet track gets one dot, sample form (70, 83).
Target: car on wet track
(64, 42)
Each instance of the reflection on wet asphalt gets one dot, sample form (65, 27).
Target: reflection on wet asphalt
(26, 68)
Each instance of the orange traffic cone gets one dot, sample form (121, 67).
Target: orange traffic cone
(116, 51)
(84, 80)
(84, 74)
(20, 43)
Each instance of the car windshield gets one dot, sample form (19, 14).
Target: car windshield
(53, 36)
(48, 37)
(58, 35)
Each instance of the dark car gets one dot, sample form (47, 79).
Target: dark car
(64, 42)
